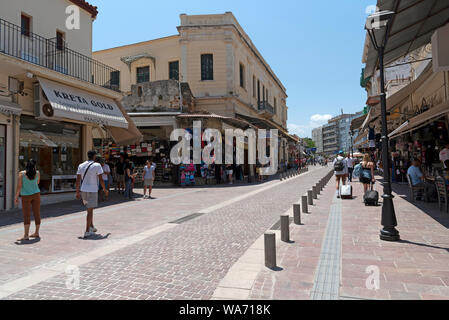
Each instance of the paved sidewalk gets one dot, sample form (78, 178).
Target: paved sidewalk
(415, 268)
(177, 247)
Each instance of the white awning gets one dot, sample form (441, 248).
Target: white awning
(76, 104)
(10, 108)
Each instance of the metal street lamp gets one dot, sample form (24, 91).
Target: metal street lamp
(377, 22)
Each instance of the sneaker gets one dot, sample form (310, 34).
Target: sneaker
(88, 234)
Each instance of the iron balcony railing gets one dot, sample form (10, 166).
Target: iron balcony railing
(265, 106)
(55, 55)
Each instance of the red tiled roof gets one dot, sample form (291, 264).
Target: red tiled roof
(86, 6)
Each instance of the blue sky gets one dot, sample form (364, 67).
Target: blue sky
(314, 47)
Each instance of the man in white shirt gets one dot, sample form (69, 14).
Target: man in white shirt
(350, 163)
(340, 170)
(87, 178)
(444, 155)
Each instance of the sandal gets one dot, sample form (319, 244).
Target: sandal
(36, 236)
(23, 239)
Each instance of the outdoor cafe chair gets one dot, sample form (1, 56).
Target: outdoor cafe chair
(442, 192)
(414, 190)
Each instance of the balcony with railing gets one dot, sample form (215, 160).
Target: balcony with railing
(265, 109)
(55, 55)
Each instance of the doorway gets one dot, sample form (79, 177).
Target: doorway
(2, 167)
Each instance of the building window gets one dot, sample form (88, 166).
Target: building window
(258, 93)
(254, 86)
(60, 39)
(26, 25)
(207, 67)
(143, 74)
(275, 105)
(242, 76)
(173, 70)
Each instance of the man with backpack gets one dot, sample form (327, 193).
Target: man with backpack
(88, 177)
(340, 170)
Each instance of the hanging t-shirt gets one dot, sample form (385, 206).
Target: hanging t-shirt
(444, 155)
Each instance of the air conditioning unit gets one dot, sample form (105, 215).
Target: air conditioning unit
(42, 107)
(15, 86)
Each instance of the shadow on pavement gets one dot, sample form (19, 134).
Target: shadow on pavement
(95, 237)
(27, 242)
(60, 209)
(429, 208)
(423, 245)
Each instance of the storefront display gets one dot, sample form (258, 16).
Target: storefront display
(56, 147)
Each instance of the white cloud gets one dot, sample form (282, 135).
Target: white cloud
(305, 130)
(320, 118)
(297, 129)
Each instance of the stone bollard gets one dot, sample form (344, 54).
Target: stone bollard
(270, 249)
(304, 204)
(310, 197)
(318, 188)
(285, 228)
(297, 213)
(314, 193)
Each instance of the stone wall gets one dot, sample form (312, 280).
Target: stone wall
(158, 96)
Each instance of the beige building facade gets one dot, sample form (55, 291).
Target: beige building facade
(225, 71)
(54, 98)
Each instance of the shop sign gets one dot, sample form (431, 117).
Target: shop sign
(76, 104)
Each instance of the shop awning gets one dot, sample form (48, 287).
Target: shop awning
(157, 119)
(367, 120)
(423, 119)
(357, 122)
(360, 137)
(398, 129)
(126, 136)
(411, 28)
(10, 108)
(76, 104)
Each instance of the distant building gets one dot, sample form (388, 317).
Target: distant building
(335, 135)
(317, 137)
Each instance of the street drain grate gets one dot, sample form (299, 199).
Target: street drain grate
(277, 226)
(187, 218)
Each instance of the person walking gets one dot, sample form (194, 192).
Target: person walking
(367, 173)
(229, 173)
(148, 178)
(88, 176)
(28, 189)
(106, 178)
(128, 180)
(350, 162)
(120, 174)
(340, 170)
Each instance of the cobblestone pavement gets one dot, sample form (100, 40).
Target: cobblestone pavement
(414, 268)
(186, 261)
